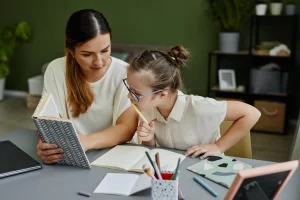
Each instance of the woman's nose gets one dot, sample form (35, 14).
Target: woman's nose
(98, 60)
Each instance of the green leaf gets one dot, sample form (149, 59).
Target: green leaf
(23, 30)
(4, 69)
(3, 56)
(9, 39)
(230, 15)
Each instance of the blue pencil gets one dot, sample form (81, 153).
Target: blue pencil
(209, 189)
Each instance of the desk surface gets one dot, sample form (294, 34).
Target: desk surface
(63, 182)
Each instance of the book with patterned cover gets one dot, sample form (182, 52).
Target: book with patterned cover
(55, 130)
(220, 169)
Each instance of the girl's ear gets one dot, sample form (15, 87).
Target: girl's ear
(164, 94)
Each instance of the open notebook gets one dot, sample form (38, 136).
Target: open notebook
(132, 158)
(220, 169)
(55, 130)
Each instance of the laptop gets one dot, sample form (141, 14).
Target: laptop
(14, 161)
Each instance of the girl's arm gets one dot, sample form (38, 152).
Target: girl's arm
(244, 116)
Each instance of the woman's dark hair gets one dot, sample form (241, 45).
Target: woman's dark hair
(81, 27)
(163, 66)
(84, 25)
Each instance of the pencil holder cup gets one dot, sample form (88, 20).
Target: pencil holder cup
(165, 189)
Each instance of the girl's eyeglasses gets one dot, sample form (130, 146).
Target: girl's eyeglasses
(135, 96)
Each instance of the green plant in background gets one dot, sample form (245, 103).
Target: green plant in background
(230, 15)
(10, 38)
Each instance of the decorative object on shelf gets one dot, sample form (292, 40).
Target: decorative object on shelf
(276, 7)
(10, 38)
(261, 7)
(280, 50)
(264, 48)
(240, 88)
(227, 79)
(266, 79)
(272, 48)
(290, 7)
(230, 15)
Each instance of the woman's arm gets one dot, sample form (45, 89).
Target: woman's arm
(244, 116)
(122, 132)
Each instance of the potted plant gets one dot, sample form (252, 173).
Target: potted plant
(10, 39)
(230, 15)
(261, 7)
(290, 7)
(276, 7)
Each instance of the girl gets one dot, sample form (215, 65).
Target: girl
(179, 120)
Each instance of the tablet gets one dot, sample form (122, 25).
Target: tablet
(261, 183)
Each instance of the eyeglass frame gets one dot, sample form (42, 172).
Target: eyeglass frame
(135, 96)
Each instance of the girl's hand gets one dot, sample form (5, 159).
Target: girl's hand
(146, 131)
(205, 149)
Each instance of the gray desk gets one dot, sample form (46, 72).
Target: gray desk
(63, 182)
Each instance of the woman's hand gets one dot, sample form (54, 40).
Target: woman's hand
(49, 153)
(205, 150)
(146, 132)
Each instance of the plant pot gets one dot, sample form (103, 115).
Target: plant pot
(290, 9)
(229, 42)
(276, 8)
(2, 86)
(261, 9)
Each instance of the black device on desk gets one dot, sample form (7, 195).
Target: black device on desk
(14, 161)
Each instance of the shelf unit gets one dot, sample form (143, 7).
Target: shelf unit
(254, 60)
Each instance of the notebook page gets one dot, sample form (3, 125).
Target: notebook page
(40, 105)
(116, 183)
(50, 109)
(142, 183)
(120, 156)
(168, 159)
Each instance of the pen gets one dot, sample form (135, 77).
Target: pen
(209, 189)
(84, 194)
(180, 195)
(176, 170)
(157, 160)
(157, 171)
(142, 116)
(151, 162)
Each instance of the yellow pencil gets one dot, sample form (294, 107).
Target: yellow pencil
(141, 115)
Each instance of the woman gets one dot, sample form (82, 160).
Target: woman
(87, 87)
